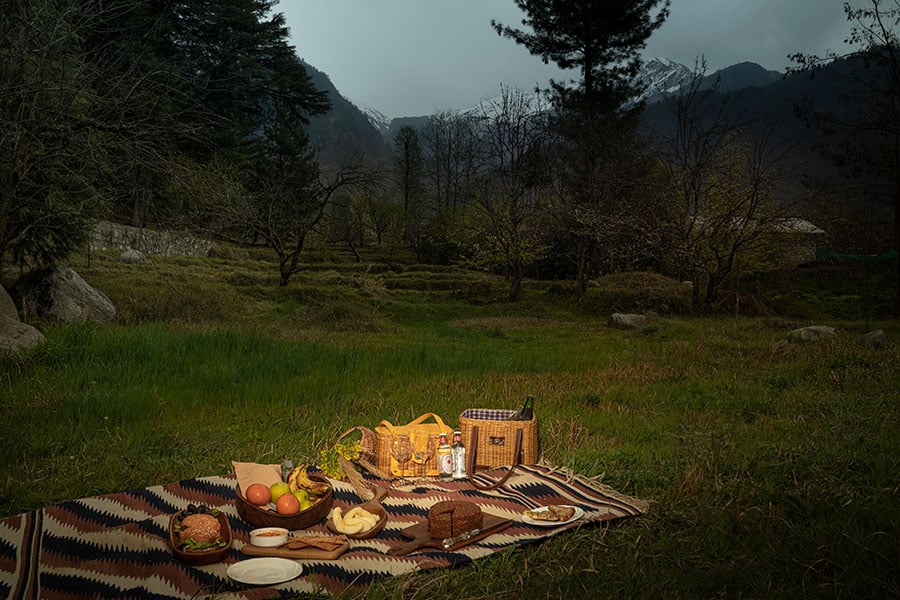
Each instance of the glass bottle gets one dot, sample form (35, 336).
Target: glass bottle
(445, 459)
(528, 409)
(459, 456)
(524, 412)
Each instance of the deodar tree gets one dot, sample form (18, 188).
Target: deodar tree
(596, 119)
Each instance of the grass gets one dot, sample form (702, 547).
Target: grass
(771, 467)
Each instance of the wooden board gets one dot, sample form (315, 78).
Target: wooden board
(307, 553)
(421, 538)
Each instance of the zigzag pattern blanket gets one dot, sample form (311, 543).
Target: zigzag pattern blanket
(114, 546)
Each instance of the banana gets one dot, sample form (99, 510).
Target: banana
(343, 524)
(356, 520)
(299, 478)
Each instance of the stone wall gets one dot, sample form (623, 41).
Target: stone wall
(112, 236)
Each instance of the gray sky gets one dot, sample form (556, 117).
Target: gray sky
(414, 57)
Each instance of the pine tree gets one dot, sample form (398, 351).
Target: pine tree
(595, 118)
(599, 38)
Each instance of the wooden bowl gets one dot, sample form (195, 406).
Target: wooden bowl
(373, 506)
(269, 518)
(202, 557)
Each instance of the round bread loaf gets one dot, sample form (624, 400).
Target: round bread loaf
(450, 518)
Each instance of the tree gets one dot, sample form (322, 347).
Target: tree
(595, 118)
(71, 124)
(513, 131)
(451, 163)
(599, 38)
(870, 155)
(409, 173)
(723, 177)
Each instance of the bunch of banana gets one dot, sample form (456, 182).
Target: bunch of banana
(299, 479)
(357, 520)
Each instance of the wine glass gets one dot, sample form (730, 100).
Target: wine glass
(401, 450)
(430, 451)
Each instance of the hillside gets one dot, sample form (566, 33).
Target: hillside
(345, 132)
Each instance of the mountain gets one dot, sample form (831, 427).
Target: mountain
(741, 76)
(660, 76)
(346, 132)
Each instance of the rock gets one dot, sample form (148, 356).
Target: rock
(62, 295)
(7, 306)
(16, 335)
(875, 340)
(814, 333)
(629, 321)
(132, 256)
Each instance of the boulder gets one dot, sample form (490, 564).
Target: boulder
(132, 256)
(7, 306)
(629, 321)
(875, 340)
(16, 335)
(813, 333)
(61, 294)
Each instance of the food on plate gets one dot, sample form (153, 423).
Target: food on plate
(552, 513)
(199, 529)
(450, 518)
(355, 521)
(258, 494)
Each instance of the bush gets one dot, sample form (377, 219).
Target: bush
(637, 292)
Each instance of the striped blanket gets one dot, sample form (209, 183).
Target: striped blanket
(114, 546)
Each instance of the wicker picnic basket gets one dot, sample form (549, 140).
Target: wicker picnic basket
(418, 430)
(492, 441)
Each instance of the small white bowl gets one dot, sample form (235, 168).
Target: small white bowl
(268, 537)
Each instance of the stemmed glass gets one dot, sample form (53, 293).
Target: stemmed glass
(430, 450)
(401, 450)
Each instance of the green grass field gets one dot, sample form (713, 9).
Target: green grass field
(771, 468)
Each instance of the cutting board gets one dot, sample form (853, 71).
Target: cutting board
(420, 537)
(309, 553)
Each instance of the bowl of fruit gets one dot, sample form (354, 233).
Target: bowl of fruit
(301, 501)
(199, 535)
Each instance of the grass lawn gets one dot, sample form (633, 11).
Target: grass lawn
(771, 467)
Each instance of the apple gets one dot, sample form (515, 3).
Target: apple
(279, 489)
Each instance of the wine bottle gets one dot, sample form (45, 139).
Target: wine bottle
(524, 412)
(528, 409)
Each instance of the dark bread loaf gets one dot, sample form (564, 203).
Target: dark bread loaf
(450, 518)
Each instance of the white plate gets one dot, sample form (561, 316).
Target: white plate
(526, 519)
(264, 571)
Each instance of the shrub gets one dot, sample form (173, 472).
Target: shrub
(637, 292)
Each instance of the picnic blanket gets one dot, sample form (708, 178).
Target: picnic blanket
(114, 546)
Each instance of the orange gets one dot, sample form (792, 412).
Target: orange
(287, 505)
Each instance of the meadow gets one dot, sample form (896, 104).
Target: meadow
(771, 467)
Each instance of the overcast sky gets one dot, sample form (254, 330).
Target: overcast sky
(414, 57)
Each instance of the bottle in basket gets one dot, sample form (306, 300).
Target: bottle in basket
(445, 459)
(524, 412)
(459, 456)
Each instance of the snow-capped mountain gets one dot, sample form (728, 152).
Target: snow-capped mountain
(378, 119)
(659, 76)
